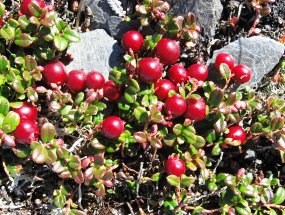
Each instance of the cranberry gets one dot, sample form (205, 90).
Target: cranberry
(236, 133)
(177, 73)
(196, 109)
(76, 81)
(55, 73)
(241, 74)
(95, 80)
(198, 71)
(24, 8)
(168, 51)
(132, 40)
(113, 127)
(26, 132)
(111, 91)
(162, 88)
(149, 70)
(174, 166)
(27, 111)
(175, 106)
(226, 58)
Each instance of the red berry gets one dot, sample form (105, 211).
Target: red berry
(26, 132)
(111, 91)
(236, 133)
(198, 71)
(162, 88)
(113, 127)
(24, 8)
(95, 80)
(174, 166)
(175, 106)
(241, 74)
(226, 58)
(177, 73)
(27, 111)
(76, 81)
(149, 70)
(132, 40)
(168, 51)
(196, 109)
(55, 73)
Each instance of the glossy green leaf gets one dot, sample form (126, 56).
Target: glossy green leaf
(30, 63)
(155, 177)
(24, 40)
(225, 71)
(173, 180)
(4, 64)
(59, 201)
(39, 154)
(10, 122)
(34, 9)
(4, 105)
(71, 35)
(7, 32)
(216, 97)
(279, 196)
(186, 181)
(60, 43)
(141, 114)
(48, 132)
(2, 9)
(21, 151)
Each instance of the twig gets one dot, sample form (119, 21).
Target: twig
(129, 169)
(80, 197)
(75, 144)
(218, 163)
(11, 206)
(139, 178)
(130, 208)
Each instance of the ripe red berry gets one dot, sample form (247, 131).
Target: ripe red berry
(95, 80)
(26, 132)
(162, 88)
(174, 166)
(168, 51)
(76, 81)
(25, 4)
(55, 73)
(149, 70)
(113, 127)
(111, 91)
(27, 111)
(241, 74)
(132, 40)
(236, 133)
(196, 109)
(177, 73)
(198, 71)
(226, 58)
(175, 106)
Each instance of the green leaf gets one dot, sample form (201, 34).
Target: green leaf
(49, 18)
(4, 64)
(173, 180)
(18, 85)
(247, 189)
(39, 154)
(30, 63)
(47, 132)
(60, 43)
(4, 105)
(23, 22)
(216, 97)
(170, 204)
(21, 151)
(141, 114)
(7, 32)
(60, 24)
(34, 9)
(133, 87)
(71, 35)
(200, 142)
(225, 71)
(2, 9)
(59, 201)
(24, 40)
(10, 122)
(279, 196)
(155, 177)
(186, 181)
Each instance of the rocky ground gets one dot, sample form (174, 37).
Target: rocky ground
(100, 49)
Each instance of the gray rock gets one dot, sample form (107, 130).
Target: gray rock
(208, 12)
(95, 51)
(259, 53)
(107, 14)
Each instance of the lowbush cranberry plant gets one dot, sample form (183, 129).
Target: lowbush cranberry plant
(157, 135)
